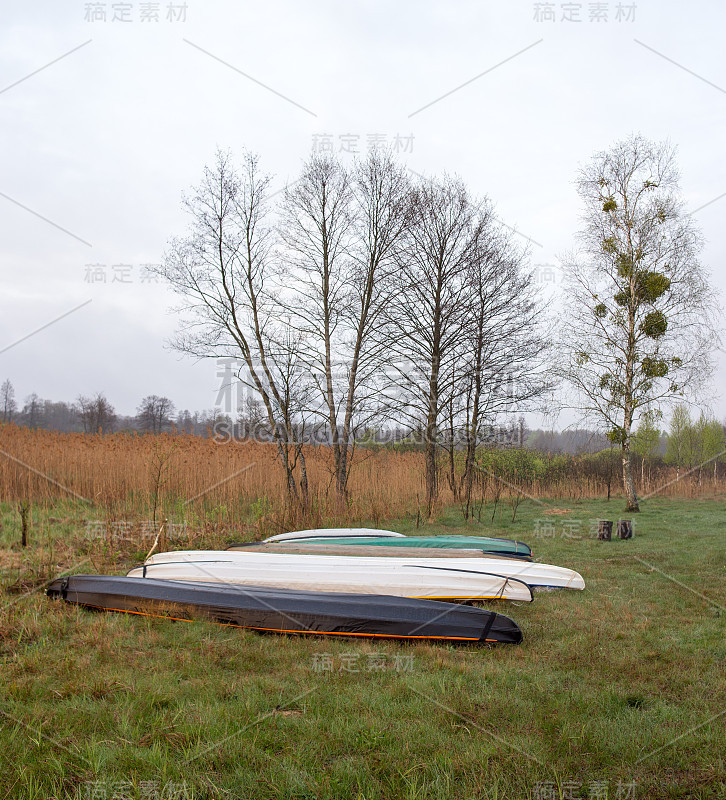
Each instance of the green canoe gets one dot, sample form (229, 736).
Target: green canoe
(504, 547)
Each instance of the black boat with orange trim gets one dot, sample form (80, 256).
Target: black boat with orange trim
(289, 611)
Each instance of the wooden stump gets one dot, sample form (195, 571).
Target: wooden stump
(604, 529)
(24, 511)
(625, 529)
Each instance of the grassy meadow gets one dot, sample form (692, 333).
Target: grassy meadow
(617, 692)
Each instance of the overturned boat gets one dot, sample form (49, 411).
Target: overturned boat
(322, 533)
(386, 576)
(289, 611)
(370, 574)
(374, 538)
(430, 578)
(323, 548)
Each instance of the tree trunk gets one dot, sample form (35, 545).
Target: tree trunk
(24, 511)
(430, 451)
(283, 448)
(292, 495)
(304, 491)
(431, 486)
(432, 429)
(471, 431)
(469, 470)
(452, 454)
(341, 473)
(630, 360)
(630, 493)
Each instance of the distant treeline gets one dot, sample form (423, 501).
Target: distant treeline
(690, 443)
(157, 414)
(95, 414)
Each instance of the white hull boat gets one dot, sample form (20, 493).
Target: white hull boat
(432, 578)
(335, 533)
(397, 581)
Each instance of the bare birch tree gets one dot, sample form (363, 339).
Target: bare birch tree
(639, 326)
(223, 271)
(426, 322)
(315, 226)
(341, 230)
(505, 361)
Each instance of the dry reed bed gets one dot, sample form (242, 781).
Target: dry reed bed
(119, 472)
(40, 465)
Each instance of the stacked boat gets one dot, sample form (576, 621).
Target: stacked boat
(334, 540)
(351, 582)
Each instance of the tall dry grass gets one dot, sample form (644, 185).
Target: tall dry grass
(181, 475)
(120, 472)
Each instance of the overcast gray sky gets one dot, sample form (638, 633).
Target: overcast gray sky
(104, 122)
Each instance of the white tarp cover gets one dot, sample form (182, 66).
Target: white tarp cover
(399, 581)
(426, 577)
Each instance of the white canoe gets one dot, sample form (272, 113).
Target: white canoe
(370, 575)
(335, 533)
(400, 580)
(530, 572)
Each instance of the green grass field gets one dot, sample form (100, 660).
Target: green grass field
(617, 692)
